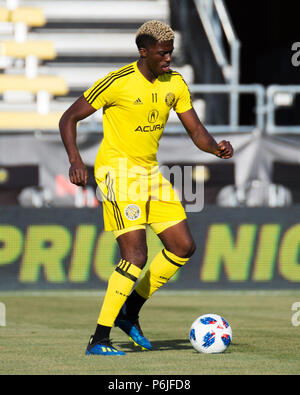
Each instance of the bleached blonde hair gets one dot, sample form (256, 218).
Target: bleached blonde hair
(156, 30)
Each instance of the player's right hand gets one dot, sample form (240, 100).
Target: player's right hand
(78, 173)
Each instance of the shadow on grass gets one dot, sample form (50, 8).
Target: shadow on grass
(160, 345)
(174, 344)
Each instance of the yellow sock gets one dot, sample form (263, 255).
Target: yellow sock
(161, 269)
(120, 284)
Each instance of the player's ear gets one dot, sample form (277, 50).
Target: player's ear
(143, 52)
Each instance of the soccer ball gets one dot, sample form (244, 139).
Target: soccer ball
(210, 333)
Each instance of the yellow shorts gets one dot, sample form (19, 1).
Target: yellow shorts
(143, 199)
(157, 227)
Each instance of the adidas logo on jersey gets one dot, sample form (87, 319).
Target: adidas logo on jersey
(138, 101)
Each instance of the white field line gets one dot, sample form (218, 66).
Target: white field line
(95, 293)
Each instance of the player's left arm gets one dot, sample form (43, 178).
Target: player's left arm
(202, 138)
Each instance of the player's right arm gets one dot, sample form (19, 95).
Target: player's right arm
(79, 110)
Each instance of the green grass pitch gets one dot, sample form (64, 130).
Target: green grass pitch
(46, 334)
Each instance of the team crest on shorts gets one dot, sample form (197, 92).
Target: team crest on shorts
(170, 99)
(132, 212)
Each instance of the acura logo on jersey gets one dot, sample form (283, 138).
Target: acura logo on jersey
(149, 128)
(152, 118)
(153, 115)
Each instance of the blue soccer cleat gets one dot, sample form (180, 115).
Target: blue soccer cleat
(102, 347)
(133, 330)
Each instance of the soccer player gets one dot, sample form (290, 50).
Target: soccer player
(136, 101)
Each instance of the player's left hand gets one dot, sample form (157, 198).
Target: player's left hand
(78, 173)
(225, 150)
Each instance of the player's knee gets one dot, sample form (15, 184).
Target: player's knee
(186, 249)
(137, 256)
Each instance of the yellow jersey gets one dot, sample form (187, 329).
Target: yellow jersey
(135, 112)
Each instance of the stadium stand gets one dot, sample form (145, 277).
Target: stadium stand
(25, 94)
(79, 45)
